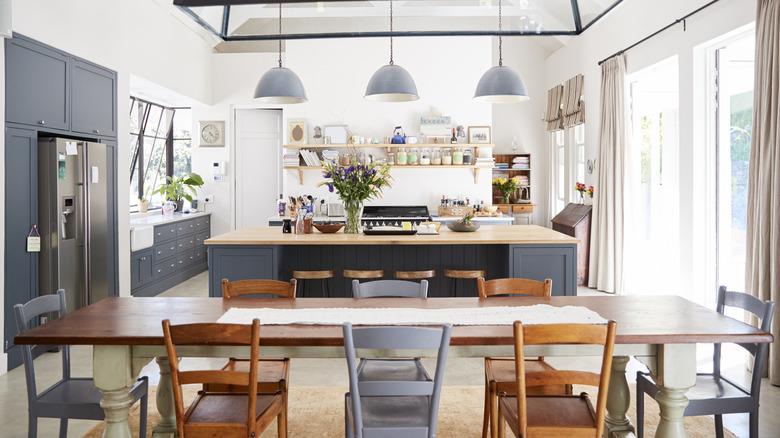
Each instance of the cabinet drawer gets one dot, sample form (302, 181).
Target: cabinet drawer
(164, 232)
(519, 208)
(185, 244)
(191, 257)
(201, 223)
(504, 208)
(201, 237)
(164, 250)
(166, 267)
(185, 227)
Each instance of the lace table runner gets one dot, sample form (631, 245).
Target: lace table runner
(536, 314)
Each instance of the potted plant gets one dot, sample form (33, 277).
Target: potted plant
(143, 203)
(181, 188)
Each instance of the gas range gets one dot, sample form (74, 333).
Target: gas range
(377, 216)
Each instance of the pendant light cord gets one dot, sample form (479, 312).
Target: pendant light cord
(280, 35)
(391, 32)
(500, 41)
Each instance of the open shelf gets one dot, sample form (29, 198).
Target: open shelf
(475, 168)
(391, 146)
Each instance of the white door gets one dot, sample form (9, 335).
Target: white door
(258, 165)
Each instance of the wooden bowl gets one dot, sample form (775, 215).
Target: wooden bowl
(328, 228)
(460, 226)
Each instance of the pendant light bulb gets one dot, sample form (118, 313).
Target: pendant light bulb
(280, 85)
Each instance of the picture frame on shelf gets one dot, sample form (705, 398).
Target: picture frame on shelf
(298, 130)
(211, 133)
(336, 133)
(479, 134)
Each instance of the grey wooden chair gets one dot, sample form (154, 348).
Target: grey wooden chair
(714, 394)
(384, 404)
(71, 397)
(390, 288)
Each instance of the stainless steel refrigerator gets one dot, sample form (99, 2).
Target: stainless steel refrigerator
(73, 219)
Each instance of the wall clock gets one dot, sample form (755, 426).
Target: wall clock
(212, 133)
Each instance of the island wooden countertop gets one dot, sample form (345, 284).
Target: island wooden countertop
(488, 234)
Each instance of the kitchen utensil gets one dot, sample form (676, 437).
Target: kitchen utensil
(168, 208)
(398, 136)
(328, 228)
(463, 227)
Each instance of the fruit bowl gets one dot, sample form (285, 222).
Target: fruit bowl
(328, 228)
(463, 227)
(491, 208)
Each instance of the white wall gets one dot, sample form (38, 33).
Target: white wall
(133, 38)
(628, 23)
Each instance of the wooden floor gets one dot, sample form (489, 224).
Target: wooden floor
(305, 372)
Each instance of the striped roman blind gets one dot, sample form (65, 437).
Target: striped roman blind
(553, 116)
(573, 106)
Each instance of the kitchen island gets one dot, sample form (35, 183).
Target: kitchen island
(522, 251)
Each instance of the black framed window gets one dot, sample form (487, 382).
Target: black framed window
(160, 146)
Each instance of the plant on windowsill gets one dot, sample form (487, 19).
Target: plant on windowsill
(143, 203)
(181, 188)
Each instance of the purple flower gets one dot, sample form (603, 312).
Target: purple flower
(330, 188)
(327, 175)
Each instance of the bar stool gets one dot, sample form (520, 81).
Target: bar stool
(414, 275)
(455, 274)
(363, 273)
(314, 275)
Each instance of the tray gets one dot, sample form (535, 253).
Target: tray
(380, 231)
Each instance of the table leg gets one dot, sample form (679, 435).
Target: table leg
(113, 376)
(672, 402)
(166, 425)
(618, 400)
(674, 373)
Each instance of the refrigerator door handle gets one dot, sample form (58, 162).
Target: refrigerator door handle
(87, 222)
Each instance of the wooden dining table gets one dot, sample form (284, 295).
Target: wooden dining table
(126, 334)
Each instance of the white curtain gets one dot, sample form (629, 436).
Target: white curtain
(762, 267)
(606, 250)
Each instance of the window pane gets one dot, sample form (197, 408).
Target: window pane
(156, 123)
(182, 157)
(182, 123)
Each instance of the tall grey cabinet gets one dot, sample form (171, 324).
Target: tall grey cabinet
(49, 93)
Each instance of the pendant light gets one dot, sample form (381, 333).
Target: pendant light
(280, 85)
(500, 84)
(391, 83)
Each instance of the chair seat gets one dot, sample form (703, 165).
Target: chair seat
(78, 398)
(271, 375)
(464, 273)
(711, 394)
(409, 413)
(312, 275)
(390, 370)
(502, 372)
(554, 415)
(224, 414)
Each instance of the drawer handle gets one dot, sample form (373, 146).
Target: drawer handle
(42, 122)
(180, 245)
(172, 248)
(159, 234)
(159, 270)
(173, 230)
(181, 261)
(96, 131)
(190, 225)
(173, 265)
(190, 242)
(159, 252)
(198, 224)
(198, 254)
(192, 258)
(143, 258)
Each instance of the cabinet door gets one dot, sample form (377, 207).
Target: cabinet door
(140, 268)
(36, 84)
(21, 213)
(94, 99)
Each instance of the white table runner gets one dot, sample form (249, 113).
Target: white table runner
(505, 315)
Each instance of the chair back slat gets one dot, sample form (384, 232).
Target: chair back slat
(237, 378)
(283, 289)
(565, 334)
(394, 388)
(211, 334)
(390, 288)
(396, 337)
(562, 377)
(513, 287)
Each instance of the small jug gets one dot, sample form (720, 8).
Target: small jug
(168, 208)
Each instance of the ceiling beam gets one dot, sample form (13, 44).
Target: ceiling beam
(193, 3)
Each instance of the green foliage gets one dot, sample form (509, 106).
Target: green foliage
(180, 188)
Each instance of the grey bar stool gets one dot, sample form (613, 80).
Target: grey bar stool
(364, 273)
(463, 274)
(314, 275)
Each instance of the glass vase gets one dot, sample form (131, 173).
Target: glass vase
(353, 210)
(505, 197)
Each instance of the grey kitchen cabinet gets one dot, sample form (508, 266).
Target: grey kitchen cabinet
(140, 268)
(94, 100)
(178, 254)
(21, 207)
(37, 89)
(538, 262)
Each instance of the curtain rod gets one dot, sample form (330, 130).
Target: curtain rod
(677, 21)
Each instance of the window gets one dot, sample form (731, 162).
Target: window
(568, 148)
(160, 146)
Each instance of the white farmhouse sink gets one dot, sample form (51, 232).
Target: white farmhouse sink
(141, 238)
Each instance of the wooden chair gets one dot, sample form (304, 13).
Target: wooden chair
(273, 374)
(222, 414)
(558, 415)
(314, 275)
(70, 397)
(388, 404)
(715, 394)
(463, 274)
(500, 372)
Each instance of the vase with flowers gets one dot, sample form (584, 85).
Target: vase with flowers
(355, 184)
(506, 186)
(580, 187)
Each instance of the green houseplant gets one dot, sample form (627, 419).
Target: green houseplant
(181, 188)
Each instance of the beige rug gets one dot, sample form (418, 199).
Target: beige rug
(318, 411)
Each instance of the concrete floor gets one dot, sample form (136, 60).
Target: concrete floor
(312, 372)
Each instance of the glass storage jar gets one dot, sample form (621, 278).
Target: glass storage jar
(468, 155)
(457, 156)
(391, 158)
(436, 156)
(401, 157)
(425, 157)
(413, 156)
(446, 156)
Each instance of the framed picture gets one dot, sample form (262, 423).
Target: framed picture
(298, 131)
(212, 133)
(479, 134)
(336, 133)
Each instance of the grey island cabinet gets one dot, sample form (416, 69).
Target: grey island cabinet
(176, 254)
(525, 251)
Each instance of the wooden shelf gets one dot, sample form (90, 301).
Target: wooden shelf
(508, 158)
(390, 146)
(475, 168)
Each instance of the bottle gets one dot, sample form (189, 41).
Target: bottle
(453, 139)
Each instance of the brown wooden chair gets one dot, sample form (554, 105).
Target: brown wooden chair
(557, 415)
(273, 374)
(500, 372)
(222, 414)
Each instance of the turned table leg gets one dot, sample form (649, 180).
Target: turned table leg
(618, 401)
(166, 425)
(114, 376)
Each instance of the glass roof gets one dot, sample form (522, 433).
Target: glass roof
(248, 20)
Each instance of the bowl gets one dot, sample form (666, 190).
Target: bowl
(461, 227)
(328, 228)
(435, 224)
(491, 208)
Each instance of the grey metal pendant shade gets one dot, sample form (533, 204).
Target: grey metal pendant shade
(501, 85)
(391, 83)
(280, 85)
